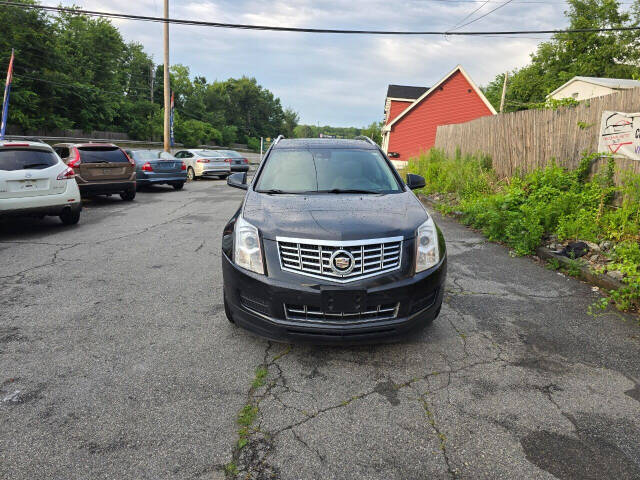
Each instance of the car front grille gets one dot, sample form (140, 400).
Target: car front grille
(313, 257)
(304, 313)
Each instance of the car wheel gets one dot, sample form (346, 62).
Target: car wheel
(128, 195)
(178, 186)
(227, 310)
(70, 217)
(191, 175)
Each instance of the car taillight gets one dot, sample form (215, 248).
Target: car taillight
(67, 174)
(227, 160)
(76, 160)
(245, 160)
(202, 160)
(147, 167)
(128, 158)
(183, 166)
(15, 145)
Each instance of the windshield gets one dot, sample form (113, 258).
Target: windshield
(208, 153)
(327, 170)
(231, 154)
(26, 159)
(145, 155)
(102, 155)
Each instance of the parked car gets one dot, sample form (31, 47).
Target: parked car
(157, 167)
(238, 161)
(204, 163)
(330, 245)
(34, 181)
(101, 168)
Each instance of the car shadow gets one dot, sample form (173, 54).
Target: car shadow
(24, 228)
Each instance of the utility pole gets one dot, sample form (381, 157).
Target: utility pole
(504, 91)
(167, 86)
(152, 77)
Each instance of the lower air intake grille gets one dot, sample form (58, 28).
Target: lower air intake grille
(304, 313)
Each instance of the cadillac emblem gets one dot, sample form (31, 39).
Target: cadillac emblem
(342, 262)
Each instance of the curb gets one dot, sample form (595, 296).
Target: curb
(602, 281)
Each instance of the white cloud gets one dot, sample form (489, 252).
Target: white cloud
(336, 79)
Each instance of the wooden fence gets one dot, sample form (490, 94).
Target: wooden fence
(522, 141)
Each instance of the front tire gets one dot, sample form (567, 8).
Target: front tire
(128, 195)
(70, 217)
(178, 186)
(191, 175)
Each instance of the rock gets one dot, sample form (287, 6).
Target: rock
(606, 245)
(595, 258)
(616, 275)
(594, 247)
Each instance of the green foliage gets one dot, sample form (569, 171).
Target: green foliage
(253, 144)
(373, 131)
(612, 54)
(261, 375)
(519, 211)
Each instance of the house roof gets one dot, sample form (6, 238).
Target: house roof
(458, 68)
(405, 91)
(616, 83)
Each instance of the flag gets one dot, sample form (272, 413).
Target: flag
(171, 119)
(5, 101)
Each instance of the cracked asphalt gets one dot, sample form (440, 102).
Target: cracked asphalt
(117, 362)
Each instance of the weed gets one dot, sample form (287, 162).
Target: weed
(261, 375)
(518, 211)
(247, 415)
(553, 264)
(231, 469)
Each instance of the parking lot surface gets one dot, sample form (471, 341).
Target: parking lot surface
(118, 362)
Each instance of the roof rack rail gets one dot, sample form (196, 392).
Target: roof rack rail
(280, 137)
(366, 139)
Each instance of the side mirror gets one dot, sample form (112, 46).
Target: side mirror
(239, 180)
(415, 181)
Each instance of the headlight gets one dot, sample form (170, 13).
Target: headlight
(246, 249)
(427, 253)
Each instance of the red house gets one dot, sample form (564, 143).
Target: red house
(410, 125)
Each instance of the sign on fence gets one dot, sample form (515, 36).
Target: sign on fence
(620, 134)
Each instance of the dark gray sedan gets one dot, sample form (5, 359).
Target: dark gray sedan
(238, 161)
(156, 167)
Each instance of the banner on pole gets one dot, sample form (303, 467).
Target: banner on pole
(171, 119)
(620, 134)
(5, 101)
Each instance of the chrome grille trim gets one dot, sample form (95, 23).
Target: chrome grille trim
(311, 257)
(304, 313)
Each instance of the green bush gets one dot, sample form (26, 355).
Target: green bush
(253, 144)
(521, 210)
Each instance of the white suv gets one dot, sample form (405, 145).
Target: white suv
(34, 181)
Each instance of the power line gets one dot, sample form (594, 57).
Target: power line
(458, 23)
(272, 28)
(488, 13)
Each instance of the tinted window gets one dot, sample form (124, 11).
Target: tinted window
(322, 170)
(62, 151)
(101, 155)
(26, 159)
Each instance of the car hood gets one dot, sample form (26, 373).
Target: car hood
(334, 216)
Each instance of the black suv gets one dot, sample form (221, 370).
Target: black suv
(331, 246)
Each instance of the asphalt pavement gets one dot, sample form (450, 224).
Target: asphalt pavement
(117, 362)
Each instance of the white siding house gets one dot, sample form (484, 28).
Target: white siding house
(583, 88)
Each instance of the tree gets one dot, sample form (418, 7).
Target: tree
(596, 54)
(291, 119)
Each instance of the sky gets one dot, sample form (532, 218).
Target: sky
(332, 79)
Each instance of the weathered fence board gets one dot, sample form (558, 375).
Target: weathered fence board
(522, 141)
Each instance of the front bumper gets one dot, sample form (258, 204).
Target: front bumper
(257, 303)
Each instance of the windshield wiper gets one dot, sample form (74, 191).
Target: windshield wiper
(33, 165)
(347, 190)
(274, 191)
